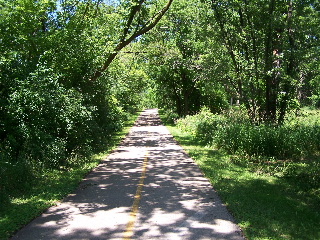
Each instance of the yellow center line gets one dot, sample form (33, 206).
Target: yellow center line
(135, 206)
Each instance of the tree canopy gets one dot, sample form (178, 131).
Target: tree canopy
(71, 71)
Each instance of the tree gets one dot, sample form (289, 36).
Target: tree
(175, 48)
(264, 41)
(51, 110)
(135, 26)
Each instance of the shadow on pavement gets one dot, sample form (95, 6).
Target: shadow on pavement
(177, 201)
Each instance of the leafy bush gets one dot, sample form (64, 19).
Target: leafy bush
(203, 126)
(237, 135)
(46, 125)
(46, 120)
(290, 151)
(168, 116)
(315, 101)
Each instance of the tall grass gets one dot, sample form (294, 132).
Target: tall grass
(267, 176)
(291, 150)
(297, 139)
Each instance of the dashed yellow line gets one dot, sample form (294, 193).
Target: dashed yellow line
(135, 206)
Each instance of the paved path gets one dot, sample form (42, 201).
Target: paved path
(147, 189)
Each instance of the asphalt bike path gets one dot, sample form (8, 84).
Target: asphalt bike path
(148, 188)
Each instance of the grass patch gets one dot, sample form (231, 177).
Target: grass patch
(266, 206)
(18, 208)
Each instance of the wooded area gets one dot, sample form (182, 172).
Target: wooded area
(71, 72)
(67, 81)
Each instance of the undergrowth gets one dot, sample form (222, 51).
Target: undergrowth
(297, 139)
(32, 194)
(290, 151)
(272, 193)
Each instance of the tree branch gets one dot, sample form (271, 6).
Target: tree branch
(134, 10)
(124, 42)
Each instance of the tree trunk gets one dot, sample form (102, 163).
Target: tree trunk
(270, 75)
(291, 66)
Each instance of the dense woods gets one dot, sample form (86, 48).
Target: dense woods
(263, 54)
(71, 73)
(58, 102)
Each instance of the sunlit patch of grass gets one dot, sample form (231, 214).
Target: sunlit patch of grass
(305, 116)
(265, 206)
(49, 188)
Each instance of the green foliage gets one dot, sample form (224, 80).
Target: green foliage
(131, 81)
(23, 201)
(202, 53)
(290, 151)
(237, 135)
(282, 142)
(270, 199)
(263, 53)
(51, 114)
(203, 125)
(176, 47)
(315, 86)
(46, 126)
(38, 101)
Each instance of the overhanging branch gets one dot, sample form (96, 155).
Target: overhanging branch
(124, 42)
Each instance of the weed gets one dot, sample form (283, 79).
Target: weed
(270, 199)
(26, 199)
(296, 139)
(268, 176)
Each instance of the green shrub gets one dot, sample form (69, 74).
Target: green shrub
(237, 135)
(169, 116)
(46, 120)
(202, 126)
(47, 125)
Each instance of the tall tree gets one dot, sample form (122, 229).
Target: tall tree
(50, 109)
(263, 40)
(175, 48)
(136, 24)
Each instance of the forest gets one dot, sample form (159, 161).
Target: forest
(239, 76)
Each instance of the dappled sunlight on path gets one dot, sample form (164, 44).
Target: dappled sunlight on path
(176, 201)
